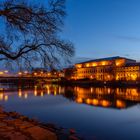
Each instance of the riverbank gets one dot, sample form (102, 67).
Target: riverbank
(14, 126)
(87, 83)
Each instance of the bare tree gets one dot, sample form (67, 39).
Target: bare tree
(31, 33)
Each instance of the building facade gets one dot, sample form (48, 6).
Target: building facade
(108, 69)
(128, 72)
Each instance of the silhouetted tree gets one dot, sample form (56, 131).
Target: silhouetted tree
(30, 33)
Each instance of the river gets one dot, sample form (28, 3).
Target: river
(96, 113)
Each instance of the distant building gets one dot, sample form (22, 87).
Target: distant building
(40, 72)
(107, 69)
(69, 73)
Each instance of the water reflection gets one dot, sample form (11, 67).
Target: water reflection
(95, 96)
(3, 97)
(107, 97)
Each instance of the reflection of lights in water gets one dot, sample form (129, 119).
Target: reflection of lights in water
(105, 103)
(79, 100)
(77, 89)
(1, 96)
(91, 89)
(134, 92)
(19, 93)
(48, 90)
(35, 91)
(25, 95)
(62, 90)
(55, 91)
(88, 101)
(120, 104)
(59, 90)
(108, 90)
(95, 102)
(42, 94)
(6, 97)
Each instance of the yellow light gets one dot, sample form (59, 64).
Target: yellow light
(48, 92)
(87, 65)
(6, 97)
(79, 100)
(103, 63)
(35, 73)
(35, 91)
(91, 89)
(48, 89)
(78, 65)
(105, 103)
(94, 64)
(20, 73)
(134, 92)
(95, 102)
(120, 62)
(120, 104)
(88, 101)
(91, 77)
(55, 91)
(108, 77)
(134, 77)
(42, 94)
(1, 72)
(1, 96)
(49, 74)
(19, 93)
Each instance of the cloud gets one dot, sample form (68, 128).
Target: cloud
(128, 38)
(127, 55)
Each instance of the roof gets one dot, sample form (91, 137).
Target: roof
(132, 64)
(107, 58)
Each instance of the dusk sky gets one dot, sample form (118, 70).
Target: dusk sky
(102, 28)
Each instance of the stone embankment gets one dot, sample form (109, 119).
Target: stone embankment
(14, 126)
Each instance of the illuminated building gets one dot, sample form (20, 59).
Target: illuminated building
(128, 72)
(105, 69)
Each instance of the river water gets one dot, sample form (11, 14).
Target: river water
(96, 113)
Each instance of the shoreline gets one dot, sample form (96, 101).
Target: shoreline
(14, 126)
(93, 83)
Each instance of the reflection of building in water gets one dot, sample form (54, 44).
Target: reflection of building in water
(96, 96)
(107, 97)
(54, 89)
(132, 94)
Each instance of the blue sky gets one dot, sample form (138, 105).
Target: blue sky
(102, 28)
